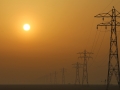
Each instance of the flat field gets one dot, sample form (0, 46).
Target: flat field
(57, 87)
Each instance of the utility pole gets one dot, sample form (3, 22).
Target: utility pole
(63, 76)
(113, 63)
(77, 66)
(55, 78)
(85, 55)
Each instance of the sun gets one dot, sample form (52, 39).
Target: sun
(26, 27)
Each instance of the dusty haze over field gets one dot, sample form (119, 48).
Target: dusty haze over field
(59, 30)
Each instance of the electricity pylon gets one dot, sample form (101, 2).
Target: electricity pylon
(50, 78)
(113, 53)
(77, 66)
(55, 78)
(63, 76)
(46, 79)
(86, 56)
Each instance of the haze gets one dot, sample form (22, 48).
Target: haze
(59, 30)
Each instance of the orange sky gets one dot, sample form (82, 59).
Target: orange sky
(59, 29)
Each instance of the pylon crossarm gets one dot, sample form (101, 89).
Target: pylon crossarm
(105, 24)
(80, 57)
(80, 66)
(90, 53)
(90, 57)
(85, 53)
(117, 23)
(80, 53)
(118, 13)
(102, 15)
(84, 57)
(73, 64)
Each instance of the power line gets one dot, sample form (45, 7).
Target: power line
(86, 56)
(100, 45)
(91, 65)
(100, 29)
(95, 40)
(95, 43)
(90, 33)
(113, 53)
(107, 6)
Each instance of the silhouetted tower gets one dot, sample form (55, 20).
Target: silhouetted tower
(77, 66)
(55, 78)
(50, 78)
(104, 82)
(85, 55)
(63, 76)
(113, 63)
(46, 79)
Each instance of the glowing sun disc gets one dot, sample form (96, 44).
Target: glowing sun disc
(26, 27)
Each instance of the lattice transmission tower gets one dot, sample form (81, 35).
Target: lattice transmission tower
(55, 78)
(50, 78)
(85, 55)
(77, 78)
(113, 63)
(63, 76)
(46, 79)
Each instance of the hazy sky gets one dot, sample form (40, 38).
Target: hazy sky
(59, 30)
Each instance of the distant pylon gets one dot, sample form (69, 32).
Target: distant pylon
(113, 63)
(50, 78)
(63, 76)
(55, 78)
(104, 82)
(77, 78)
(46, 79)
(86, 56)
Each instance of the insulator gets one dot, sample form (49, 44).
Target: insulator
(103, 18)
(97, 27)
(105, 27)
